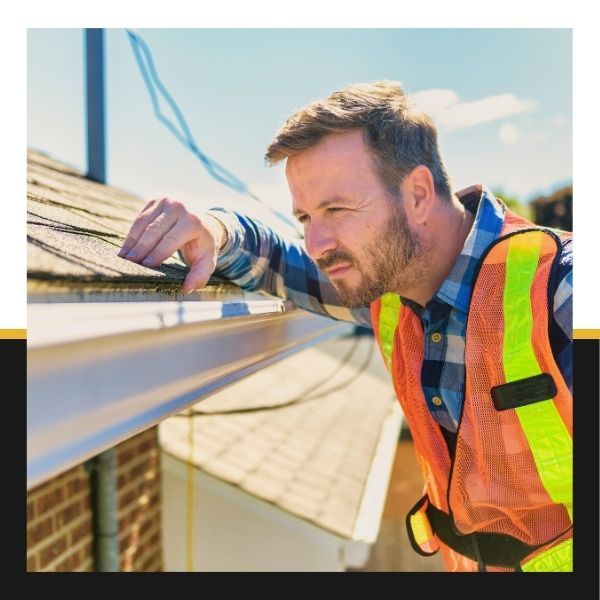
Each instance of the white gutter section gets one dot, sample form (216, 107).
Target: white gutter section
(99, 373)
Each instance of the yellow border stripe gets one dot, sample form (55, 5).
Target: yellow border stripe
(13, 334)
(586, 334)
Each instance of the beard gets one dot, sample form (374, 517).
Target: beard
(392, 262)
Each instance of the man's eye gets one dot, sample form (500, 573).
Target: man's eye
(335, 209)
(303, 219)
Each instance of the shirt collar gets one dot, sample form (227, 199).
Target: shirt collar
(489, 219)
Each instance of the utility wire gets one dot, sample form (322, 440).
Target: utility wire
(303, 397)
(144, 59)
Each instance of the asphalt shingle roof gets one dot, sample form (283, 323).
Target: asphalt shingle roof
(75, 228)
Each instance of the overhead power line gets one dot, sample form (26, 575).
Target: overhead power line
(182, 132)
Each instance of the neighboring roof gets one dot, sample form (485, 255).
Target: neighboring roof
(313, 459)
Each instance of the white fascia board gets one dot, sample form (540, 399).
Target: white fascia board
(99, 373)
(368, 521)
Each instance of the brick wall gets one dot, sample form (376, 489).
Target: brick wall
(139, 503)
(59, 518)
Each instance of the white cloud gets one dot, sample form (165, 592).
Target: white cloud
(509, 134)
(450, 113)
(434, 101)
(558, 120)
(537, 137)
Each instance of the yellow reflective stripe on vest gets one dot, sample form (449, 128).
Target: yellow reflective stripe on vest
(546, 433)
(557, 558)
(389, 314)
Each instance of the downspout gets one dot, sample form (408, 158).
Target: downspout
(103, 480)
(102, 468)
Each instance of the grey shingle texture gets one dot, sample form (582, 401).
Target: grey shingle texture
(75, 228)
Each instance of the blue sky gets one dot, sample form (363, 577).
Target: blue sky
(501, 98)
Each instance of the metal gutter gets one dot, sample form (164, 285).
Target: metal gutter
(99, 373)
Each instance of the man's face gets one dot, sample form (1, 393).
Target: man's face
(354, 230)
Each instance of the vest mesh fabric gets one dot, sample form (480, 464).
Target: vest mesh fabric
(510, 498)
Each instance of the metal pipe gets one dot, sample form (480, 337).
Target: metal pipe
(102, 469)
(96, 138)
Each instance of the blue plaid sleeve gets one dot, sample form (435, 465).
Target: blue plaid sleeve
(258, 258)
(561, 329)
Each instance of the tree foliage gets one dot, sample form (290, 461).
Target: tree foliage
(515, 204)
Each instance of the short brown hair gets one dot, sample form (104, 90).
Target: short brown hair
(398, 137)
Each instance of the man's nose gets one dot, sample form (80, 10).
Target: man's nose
(319, 239)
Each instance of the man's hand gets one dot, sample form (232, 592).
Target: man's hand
(165, 226)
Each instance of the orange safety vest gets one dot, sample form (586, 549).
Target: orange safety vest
(503, 500)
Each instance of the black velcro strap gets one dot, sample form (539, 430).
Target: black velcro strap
(524, 391)
(493, 549)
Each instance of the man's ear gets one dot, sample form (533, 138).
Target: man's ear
(418, 192)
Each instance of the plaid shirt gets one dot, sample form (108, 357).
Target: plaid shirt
(256, 257)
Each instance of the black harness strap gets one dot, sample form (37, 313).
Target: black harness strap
(495, 549)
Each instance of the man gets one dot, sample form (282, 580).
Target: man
(470, 303)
